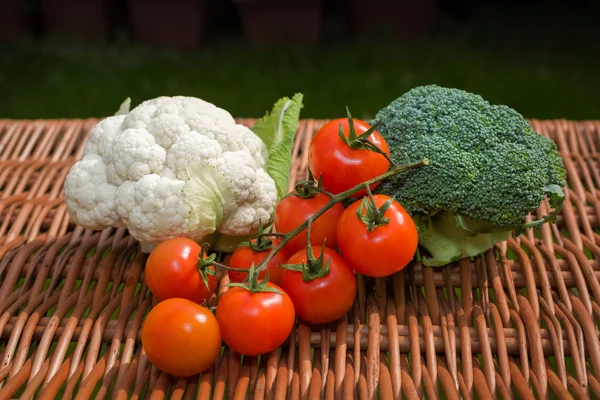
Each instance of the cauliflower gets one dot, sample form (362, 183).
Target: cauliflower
(180, 166)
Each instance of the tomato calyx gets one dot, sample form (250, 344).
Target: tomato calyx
(307, 189)
(313, 268)
(262, 242)
(373, 216)
(204, 264)
(251, 283)
(360, 142)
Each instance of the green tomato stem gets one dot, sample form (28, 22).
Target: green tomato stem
(314, 267)
(226, 267)
(274, 234)
(262, 243)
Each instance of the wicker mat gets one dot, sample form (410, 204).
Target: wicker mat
(520, 321)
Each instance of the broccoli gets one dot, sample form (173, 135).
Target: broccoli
(487, 170)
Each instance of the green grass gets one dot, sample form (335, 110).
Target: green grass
(542, 71)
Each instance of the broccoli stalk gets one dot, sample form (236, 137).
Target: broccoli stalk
(487, 170)
(448, 238)
(446, 241)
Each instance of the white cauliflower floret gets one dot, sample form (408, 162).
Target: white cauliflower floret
(242, 169)
(92, 198)
(143, 114)
(154, 203)
(125, 201)
(136, 173)
(135, 154)
(167, 128)
(198, 114)
(259, 207)
(191, 147)
(102, 135)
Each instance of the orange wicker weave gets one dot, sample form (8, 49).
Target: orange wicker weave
(522, 320)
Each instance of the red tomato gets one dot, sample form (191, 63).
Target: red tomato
(243, 257)
(385, 250)
(255, 323)
(172, 272)
(341, 167)
(293, 211)
(325, 299)
(181, 337)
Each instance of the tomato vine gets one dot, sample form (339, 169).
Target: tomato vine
(310, 186)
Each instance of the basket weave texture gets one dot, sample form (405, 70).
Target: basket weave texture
(519, 321)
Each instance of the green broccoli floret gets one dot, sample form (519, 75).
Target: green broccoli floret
(487, 170)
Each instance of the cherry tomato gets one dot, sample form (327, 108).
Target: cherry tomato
(341, 167)
(385, 250)
(244, 257)
(325, 299)
(181, 337)
(293, 211)
(255, 323)
(172, 272)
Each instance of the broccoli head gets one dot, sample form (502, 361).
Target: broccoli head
(487, 170)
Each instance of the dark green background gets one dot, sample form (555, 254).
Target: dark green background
(544, 64)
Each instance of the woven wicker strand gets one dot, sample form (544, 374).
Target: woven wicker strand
(520, 320)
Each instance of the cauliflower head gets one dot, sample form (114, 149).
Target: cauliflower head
(181, 166)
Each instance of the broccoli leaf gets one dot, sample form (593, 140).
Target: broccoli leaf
(446, 241)
(556, 198)
(555, 194)
(461, 223)
(277, 130)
